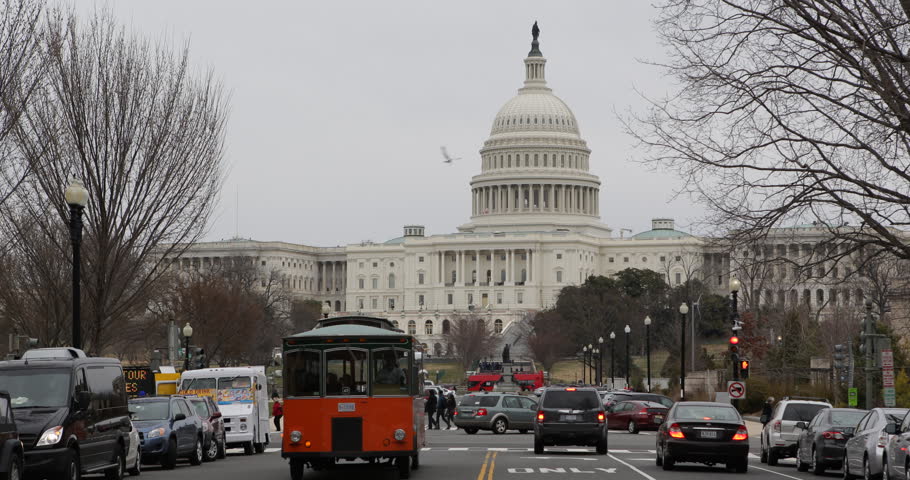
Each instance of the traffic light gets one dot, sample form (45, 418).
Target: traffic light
(839, 356)
(198, 358)
(743, 369)
(734, 348)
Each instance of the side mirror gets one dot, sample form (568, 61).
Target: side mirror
(802, 425)
(892, 429)
(83, 400)
(216, 415)
(179, 416)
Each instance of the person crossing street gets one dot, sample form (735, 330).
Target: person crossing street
(442, 408)
(430, 410)
(450, 410)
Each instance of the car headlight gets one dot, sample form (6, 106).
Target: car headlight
(51, 436)
(243, 427)
(399, 434)
(296, 436)
(155, 433)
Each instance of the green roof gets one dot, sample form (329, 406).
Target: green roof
(660, 234)
(352, 330)
(395, 241)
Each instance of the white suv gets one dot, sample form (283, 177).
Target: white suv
(779, 435)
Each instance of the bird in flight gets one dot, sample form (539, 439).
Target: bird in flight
(448, 158)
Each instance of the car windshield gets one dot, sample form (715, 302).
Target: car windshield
(846, 419)
(201, 408)
(157, 410)
(653, 398)
(36, 387)
(705, 412)
(234, 382)
(802, 412)
(895, 415)
(577, 400)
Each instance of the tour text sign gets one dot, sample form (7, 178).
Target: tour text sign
(140, 381)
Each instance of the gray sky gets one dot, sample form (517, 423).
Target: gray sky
(339, 108)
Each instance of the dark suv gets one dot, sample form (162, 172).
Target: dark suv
(11, 455)
(570, 416)
(168, 428)
(71, 412)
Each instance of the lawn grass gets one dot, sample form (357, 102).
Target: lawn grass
(451, 371)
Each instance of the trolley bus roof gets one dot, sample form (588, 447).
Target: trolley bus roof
(348, 330)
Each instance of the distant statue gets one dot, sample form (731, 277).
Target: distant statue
(505, 354)
(535, 32)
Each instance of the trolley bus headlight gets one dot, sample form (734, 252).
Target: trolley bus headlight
(399, 435)
(296, 436)
(242, 427)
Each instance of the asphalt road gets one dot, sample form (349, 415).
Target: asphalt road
(484, 456)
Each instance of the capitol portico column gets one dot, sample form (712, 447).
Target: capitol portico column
(476, 278)
(530, 266)
(493, 275)
(510, 259)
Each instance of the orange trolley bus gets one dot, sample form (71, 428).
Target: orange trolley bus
(351, 391)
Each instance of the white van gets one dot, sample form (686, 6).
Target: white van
(242, 397)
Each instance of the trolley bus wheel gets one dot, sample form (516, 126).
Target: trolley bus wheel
(404, 467)
(296, 469)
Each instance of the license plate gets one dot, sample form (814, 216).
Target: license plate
(346, 407)
(708, 434)
(658, 419)
(569, 418)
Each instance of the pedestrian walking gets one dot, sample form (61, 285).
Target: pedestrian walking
(450, 409)
(430, 410)
(277, 411)
(441, 408)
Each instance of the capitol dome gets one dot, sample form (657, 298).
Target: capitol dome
(535, 174)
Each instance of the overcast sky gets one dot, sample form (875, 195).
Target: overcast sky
(338, 108)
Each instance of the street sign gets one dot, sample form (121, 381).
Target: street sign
(889, 396)
(887, 378)
(853, 397)
(887, 359)
(736, 389)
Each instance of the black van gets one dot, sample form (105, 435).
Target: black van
(71, 412)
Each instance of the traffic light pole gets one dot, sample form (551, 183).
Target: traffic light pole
(734, 349)
(869, 339)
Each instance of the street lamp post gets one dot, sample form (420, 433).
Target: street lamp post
(584, 363)
(734, 315)
(683, 310)
(628, 359)
(600, 360)
(187, 333)
(648, 348)
(590, 363)
(612, 358)
(76, 197)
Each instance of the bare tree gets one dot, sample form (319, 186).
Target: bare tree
(789, 111)
(22, 70)
(146, 136)
(548, 341)
(472, 338)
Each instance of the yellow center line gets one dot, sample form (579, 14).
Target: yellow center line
(483, 468)
(492, 465)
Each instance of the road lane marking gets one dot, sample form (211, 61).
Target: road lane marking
(425, 449)
(483, 468)
(458, 449)
(643, 474)
(562, 458)
(777, 473)
(492, 465)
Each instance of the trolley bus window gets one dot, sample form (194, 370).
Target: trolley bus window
(390, 372)
(303, 370)
(346, 372)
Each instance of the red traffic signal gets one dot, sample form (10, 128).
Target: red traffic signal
(744, 365)
(734, 340)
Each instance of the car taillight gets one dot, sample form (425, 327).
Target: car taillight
(643, 411)
(776, 426)
(675, 431)
(481, 412)
(741, 434)
(539, 417)
(882, 440)
(832, 435)
(455, 413)
(600, 417)
(571, 389)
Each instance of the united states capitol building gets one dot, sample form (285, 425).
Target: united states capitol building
(534, 228)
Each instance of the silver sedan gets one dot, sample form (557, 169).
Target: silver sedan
(863, 452)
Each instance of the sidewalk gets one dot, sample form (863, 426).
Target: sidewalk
(754, 428)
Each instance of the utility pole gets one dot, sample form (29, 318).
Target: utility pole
(869, 342)
(850, 363)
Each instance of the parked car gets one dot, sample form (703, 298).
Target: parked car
(169, 428)
(611, 398)
(864, 451)
(636, 415)
(12, 455)
(134, 452)
(895, 458)
(497, 412)
(212, 426)
(570, 416)
(821, 442)
(70, 411)
(703, 432)
(779, 434)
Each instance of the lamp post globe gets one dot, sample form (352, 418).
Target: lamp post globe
(735, 284)
(76, 197)
(187, 333)
(326, 310)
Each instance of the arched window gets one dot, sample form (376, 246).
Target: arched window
(337, 305)
(412, 327)
(391, 280)
(437, 349)
(559, 276)
(819, 297)
(446, 327)
(428, 327)
(497, 326)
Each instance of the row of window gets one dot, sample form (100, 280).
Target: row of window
(578, 162)
(429, 326)
(529, 120)
(663, 258)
